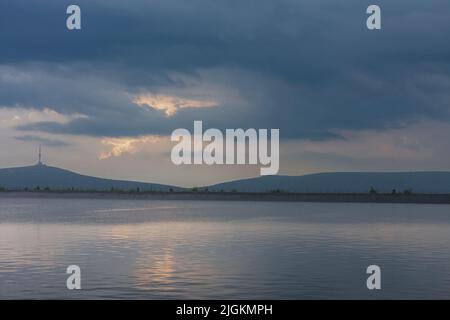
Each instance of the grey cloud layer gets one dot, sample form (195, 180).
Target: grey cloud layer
(306, 67)
(43, 141)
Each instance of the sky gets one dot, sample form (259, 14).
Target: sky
(104, 100)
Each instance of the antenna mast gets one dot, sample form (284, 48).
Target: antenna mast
(40, 155)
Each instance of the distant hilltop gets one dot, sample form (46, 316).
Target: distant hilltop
(41, 177)
(44, 177)
(345, 182)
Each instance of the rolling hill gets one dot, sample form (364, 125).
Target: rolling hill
(43, 176)
(344, 182)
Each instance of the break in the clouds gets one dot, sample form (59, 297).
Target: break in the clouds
(310, 68)
(170, 104)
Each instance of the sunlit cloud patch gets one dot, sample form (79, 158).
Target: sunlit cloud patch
(171, 104)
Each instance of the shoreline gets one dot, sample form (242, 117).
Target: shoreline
(239, 196)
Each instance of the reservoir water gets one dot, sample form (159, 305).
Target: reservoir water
(140, 249)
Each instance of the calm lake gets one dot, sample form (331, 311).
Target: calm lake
(140, 249)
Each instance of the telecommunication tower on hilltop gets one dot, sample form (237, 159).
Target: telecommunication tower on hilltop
(40, 157)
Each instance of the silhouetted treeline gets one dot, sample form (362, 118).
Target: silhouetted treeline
(372, 191)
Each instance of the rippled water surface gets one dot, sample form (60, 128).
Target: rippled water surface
(201, 249)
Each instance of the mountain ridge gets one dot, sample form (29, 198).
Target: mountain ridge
(43, 176)
(344, 182)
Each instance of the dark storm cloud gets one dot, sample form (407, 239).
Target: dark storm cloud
(306, 67)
